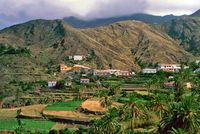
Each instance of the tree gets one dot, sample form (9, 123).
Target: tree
(149, 85)
(108, 124)
(182, 115)
(18, 93)
(135, 112)
(106, 102)
(178, 131)
(158, 103)
(60, 84)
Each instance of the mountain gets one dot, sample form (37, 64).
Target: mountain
(186, 30)
(196, 14)
(79, 23)
(32, 51)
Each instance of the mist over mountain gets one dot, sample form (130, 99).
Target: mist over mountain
(146, 18)
(196, 14)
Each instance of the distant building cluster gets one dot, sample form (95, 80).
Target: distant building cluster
(110, 72)
(164, 67)
(87, 71)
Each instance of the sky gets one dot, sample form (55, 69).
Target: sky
(18, 11)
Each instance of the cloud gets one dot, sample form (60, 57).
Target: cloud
(17, 11)
(108, 8)
(176, 7)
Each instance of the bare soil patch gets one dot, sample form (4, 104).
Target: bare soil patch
(29, 111)
(93, 105)
(59, 126)
(68, 114)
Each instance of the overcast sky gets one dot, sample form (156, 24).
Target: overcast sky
(17, 11)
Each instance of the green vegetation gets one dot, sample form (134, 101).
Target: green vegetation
(173, 111)
(139, 104)
(64, 106)
(8, 49)
(35, 125)
(186, 30)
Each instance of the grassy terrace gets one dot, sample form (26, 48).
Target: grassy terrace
(64, 106)
(32, 125)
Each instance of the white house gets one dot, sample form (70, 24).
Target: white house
(169, 67)
(84, 81)
(149, 71)
(110, 72)
(197, 70)
(197, 61)
(77, 57)
(52, 83)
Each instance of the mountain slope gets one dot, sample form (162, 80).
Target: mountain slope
(32, 51)
(79, 23)
(140, 42)
(122, 43)
(196, 14)
(186, 30)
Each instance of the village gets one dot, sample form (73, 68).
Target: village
(83, 73)
(77, 97)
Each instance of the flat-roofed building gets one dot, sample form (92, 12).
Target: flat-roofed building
(169, 67)
(149, 71)
(84, 81)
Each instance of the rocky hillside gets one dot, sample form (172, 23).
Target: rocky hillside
(138, 43)
(32, 51)
(125, 45)
(186, 31)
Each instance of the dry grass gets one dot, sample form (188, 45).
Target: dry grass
(93, 105)
(31, 111)
(59, 126)
(68, 114)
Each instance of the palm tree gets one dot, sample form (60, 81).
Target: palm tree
(196, 88)
(184, 115)
(106, 102)
(135, 112)
(178, 131)
(158, 103)
(179, 87)
(149, 85)
(108, 124)
(158, 80)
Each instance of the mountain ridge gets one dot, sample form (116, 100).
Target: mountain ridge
(184, 30)
(147, 18)
(34, 50)
(196, 14)
(56, 34)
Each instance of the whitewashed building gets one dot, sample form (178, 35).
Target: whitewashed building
(169, 67)
(52, 83)
(110, 72)
(77, 57)
(197, 70)
(197, 61)
(84, 81)
(149, 71)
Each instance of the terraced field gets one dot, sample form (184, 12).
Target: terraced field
(64, 106)
(33, 125)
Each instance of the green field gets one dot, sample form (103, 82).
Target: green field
(32, 125)
(64, 106)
